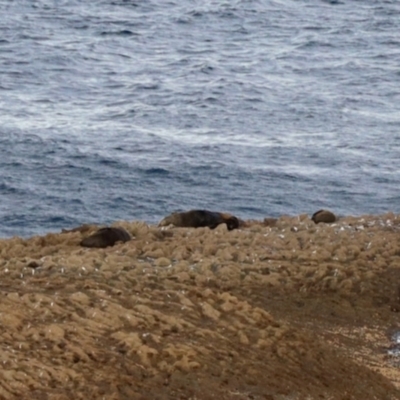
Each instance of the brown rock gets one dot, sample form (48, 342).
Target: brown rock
(33, 264)
(162, 262)
(270, 221)
(256, 313)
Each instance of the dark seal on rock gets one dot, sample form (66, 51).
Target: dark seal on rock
(323, 216)
(105, 237)
(200, 218)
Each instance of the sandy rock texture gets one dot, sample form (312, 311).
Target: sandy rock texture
(279, 311)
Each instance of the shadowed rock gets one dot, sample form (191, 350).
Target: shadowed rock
(106, 237)
(323, 216)
(200, 218)
(270, 221)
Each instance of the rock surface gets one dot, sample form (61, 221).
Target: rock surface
(292, 311)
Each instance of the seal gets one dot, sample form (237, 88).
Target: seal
(106, 237)
(200, 218)
(323, 216)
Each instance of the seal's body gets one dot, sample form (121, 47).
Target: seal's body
(200, 218)
(105, 237)
(323, 216)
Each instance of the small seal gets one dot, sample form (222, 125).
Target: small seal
(200, 218)
(106, 237)
(323, 216)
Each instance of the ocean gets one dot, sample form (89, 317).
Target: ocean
(130, 110)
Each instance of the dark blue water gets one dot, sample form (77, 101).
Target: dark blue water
(126, 110)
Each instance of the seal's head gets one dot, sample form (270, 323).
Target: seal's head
(171, 219)
(230, 220)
